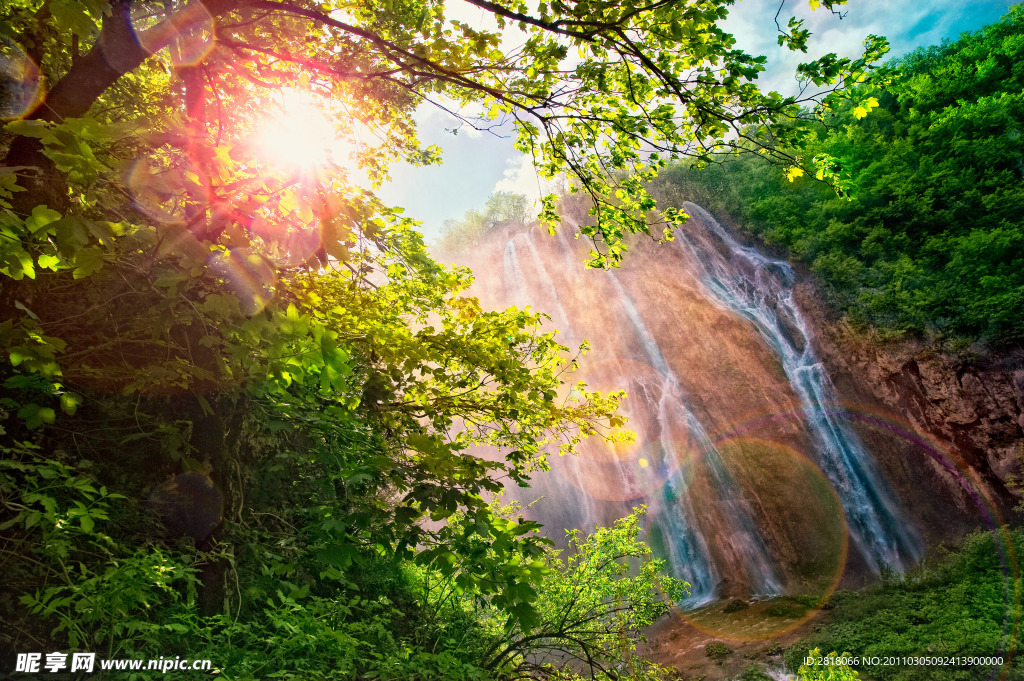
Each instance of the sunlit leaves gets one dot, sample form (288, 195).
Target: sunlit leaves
(863, 108)
(923, 247)
(592, 601)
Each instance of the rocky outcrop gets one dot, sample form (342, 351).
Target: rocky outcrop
(967, 414)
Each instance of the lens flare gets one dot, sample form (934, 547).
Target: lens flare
(250, 277)
(155, 191)
(184, 37)
(300, 137)
(19, 81)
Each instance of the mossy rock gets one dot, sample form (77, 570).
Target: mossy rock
(735, 605)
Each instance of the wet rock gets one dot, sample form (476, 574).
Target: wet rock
(960, 415)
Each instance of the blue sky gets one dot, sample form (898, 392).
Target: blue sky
(475, 164)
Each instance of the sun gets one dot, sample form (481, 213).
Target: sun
(298, 136)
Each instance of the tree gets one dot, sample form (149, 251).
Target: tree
(210, 370)
(502, 207)
(591, 610)
(605, 92)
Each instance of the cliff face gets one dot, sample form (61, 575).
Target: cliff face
(960, 424)
(777, 450)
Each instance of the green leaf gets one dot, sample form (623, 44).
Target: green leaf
(88, 261)
(70, 235)
(48, 261)
(865, 107)
(341, 555)
(29, 128)
(40, 218)
(34, 416)
(69, 403)
(73, 16)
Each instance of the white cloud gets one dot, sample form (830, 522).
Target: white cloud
(521, 178)
(906, 23)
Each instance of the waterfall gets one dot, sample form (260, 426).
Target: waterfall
(742, 540)
(661, 411)
(577, 508)
(547, 285)
(760, 289)
(722, 523)
(515, 283)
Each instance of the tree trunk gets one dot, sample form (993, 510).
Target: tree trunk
(210, 438)
(117, 52)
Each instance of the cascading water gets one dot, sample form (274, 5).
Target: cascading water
(759, 289)
(547, 285)
(705, 340)
(660, 410)
(515, 283)
(579, 510)
(747, 549)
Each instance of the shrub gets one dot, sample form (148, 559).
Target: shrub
(735, 605)
(717, 651)
(753, 673)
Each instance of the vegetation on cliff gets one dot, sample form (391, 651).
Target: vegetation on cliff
(965, 609)
(462, 236)
(931, 240)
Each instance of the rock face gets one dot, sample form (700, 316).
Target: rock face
(967, 415)
(777, 450)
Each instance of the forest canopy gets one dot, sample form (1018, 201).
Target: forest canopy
(602, 92)
(931, 242)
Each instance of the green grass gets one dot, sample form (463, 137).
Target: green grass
(962, 606)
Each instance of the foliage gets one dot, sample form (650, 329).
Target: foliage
(605, 93)
(753, 673)
(591, 609)
(717, 651)
(961, 606)
(463, 235)
(96, 592)
(326, 422)
(931, 242)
